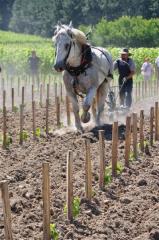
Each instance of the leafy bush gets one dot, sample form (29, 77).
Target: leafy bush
(127, 31)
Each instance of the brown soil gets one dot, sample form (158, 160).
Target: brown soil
(127, 209)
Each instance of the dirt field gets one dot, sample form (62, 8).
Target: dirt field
(128, 209)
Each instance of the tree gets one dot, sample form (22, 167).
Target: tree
(5, 13)
(39, 16)
(35, 17)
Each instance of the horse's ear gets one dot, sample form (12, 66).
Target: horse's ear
(69, 32)
(70, 25)
(59, 23)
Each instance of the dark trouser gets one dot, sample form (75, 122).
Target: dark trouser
(126, 93)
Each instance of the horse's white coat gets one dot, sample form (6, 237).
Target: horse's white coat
(94, 82)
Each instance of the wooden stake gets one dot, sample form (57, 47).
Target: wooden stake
(58, 111)
(48, 91)
(136, 91)
(55, 89)
(69, 186)
(18, 86)
(21, 123)
(6, 210)
(127, 140)
(61, 98)
(2, 84)
(135, 134)
(12, 99)
(101, 159)
(156, 121)
(88, 171)
(151, 125)
(143, 89)
(139, 91)
(32, 93)
(4, 127)
(41, 95)
(4, 98)
(34, 126)
(46, 201)
(68, 111)
(142, 130)
(114, 148)
(47, 116)
(23, 96)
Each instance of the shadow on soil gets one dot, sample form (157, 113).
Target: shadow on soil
(108, 131)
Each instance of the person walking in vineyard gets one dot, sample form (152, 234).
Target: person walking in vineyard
(147, 72)
(34, 63)
(126, 69)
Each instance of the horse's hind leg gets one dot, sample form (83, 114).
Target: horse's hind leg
(101, 96)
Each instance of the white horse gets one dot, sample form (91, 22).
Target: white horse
(92, 80)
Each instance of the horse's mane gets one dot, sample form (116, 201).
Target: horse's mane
(73, 32)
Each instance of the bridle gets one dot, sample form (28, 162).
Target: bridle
(69, 49)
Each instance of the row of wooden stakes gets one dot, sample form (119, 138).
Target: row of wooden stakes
(131, 137)
(22, 106)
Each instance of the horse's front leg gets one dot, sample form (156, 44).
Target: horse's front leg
(75, 107)
(85, 117)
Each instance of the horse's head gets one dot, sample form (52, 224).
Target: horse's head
(68, 42)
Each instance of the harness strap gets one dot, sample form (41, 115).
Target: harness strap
(102, 52)
(75, 81)
(109, 73)
(85, 62)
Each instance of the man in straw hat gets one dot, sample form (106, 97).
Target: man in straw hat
(126, 69)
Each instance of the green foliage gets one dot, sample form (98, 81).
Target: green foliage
(25, 135)
(15, 52)
(15, 109)
(15, 49)
(61, 125)
(108, 176)
(131, 156)
(39, 17)
(9, 139)
(75, 207)
(127, 32)
(108, 172)
(38, 132)
(53, 232)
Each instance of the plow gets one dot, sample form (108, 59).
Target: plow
(114, 108)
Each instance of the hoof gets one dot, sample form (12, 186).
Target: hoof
(85, 118)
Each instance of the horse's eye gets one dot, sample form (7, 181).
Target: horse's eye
(66, 46)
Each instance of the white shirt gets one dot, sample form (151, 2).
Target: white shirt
(157, 61)
(147, 69)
